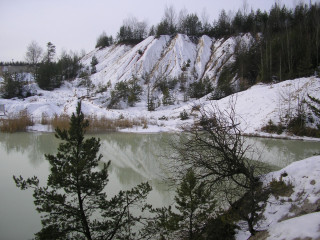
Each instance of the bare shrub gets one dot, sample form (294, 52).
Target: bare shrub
(280, 188)
(215, 148)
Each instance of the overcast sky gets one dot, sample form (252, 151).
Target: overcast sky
(76, 24)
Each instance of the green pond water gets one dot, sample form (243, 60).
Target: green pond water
(135, 158)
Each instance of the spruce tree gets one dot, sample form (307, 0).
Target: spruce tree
(74, 204)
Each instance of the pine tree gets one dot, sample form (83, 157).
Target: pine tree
(49, 75)
(51, 51)
(94, 62)
(194, 204)
(163, 28)
(191, 26)
(74, 204)
(103, 41)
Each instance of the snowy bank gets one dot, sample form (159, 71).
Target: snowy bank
(295, 216)
(254, 107)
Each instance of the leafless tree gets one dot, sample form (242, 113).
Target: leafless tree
(138, 28)
(291, 102)
(34, 54)
(182, 16)
(245, 7)
(215, 148)
(170, 16)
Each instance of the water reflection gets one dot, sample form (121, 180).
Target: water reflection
(280, 152)
(138, 152)
(34, 146)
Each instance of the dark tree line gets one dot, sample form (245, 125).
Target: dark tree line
(14, 63)
(132, 31)
(285, 45)
(289, 47)
(51, 73)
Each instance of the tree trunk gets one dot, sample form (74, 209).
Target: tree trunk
(84, 221)
(190, 227)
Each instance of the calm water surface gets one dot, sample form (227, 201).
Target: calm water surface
(135, 158)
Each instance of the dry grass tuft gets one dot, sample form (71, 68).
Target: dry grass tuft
(60, 121)
(105, 124)
(16, 123)
(280, 188)
(96, 124)
(100, 124)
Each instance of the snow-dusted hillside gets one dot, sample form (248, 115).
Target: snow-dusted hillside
(163, 56)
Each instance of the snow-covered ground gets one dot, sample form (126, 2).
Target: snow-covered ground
(295, 216)
(254, 107)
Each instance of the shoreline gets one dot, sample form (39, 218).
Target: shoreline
(154, 129)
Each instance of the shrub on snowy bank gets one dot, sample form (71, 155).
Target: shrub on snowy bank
(125, 93)
(16, 85)
(302, 123)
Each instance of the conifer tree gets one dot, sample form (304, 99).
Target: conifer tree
(194, 204)
(48, 76)
(314, 106)
(103, 41)
(74, 204)
(12, 85)
(94, 62)
(51, 51)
